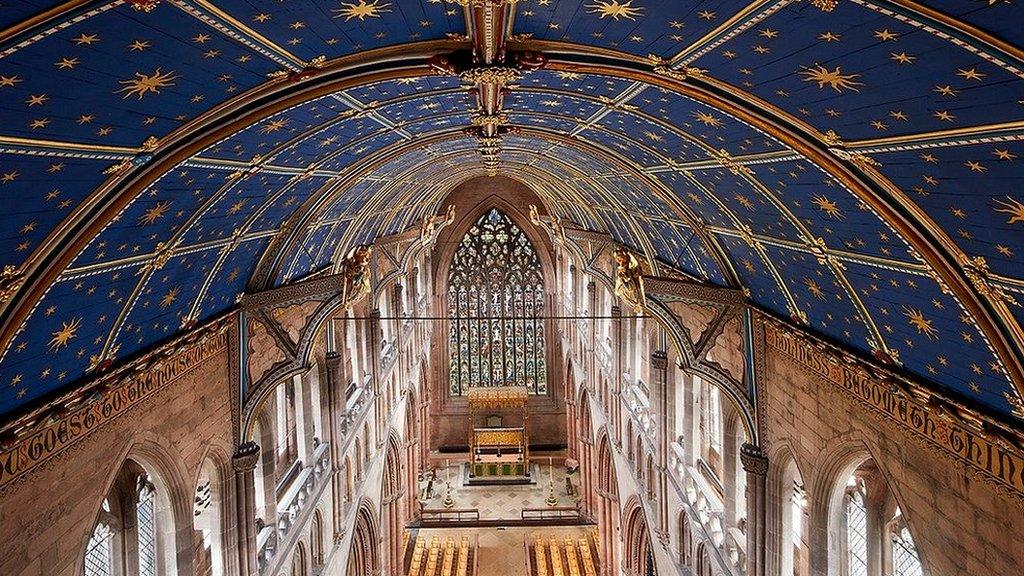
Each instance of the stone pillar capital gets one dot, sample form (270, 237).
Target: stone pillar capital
(754, 460)
(245, 457)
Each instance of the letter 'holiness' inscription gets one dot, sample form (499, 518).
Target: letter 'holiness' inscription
(48, 441)
(993, 461)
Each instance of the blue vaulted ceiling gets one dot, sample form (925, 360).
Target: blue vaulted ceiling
(927, 103)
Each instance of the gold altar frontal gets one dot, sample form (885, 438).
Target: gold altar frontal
(498, 452)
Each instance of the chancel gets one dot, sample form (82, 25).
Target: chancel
(511, 288)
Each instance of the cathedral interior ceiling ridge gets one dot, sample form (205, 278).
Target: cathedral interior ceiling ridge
(855, 166)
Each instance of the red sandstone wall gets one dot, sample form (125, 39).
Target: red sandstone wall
(961, 526)
(46, 519)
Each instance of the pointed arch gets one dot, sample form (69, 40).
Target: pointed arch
(364, 551)
(639, 556)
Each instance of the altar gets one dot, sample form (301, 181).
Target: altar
(498, 452)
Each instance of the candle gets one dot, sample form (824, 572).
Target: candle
(551, 470)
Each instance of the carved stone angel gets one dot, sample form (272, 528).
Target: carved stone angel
(629, 281)
(356, 270)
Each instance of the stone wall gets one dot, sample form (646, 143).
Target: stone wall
(46, 517)
(961, 525)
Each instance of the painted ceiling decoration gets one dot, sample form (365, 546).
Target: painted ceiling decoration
(856, 166)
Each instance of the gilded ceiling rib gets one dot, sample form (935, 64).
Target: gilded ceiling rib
(748, 237)
(989, 47)
(983, 134)
(933, 245)
(244, 34)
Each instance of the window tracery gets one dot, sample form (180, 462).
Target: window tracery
(495, 306)
(905, 561)
(99, 552)
(856, 529)
(145, 512)
(126, 538)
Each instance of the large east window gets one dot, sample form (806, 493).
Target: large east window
(496, 308)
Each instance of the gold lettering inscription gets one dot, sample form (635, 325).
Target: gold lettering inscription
(45, 443)
(994, 461)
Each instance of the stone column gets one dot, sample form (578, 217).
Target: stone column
(336, 388)
(755, 463)
(592, 306)
(304, 418)
(374, 343)
(616, 376)
(691, 427)
(244, 463)
(661, 402)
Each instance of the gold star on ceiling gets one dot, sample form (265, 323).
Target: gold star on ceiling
(1012, 207)
(615, 10)
(67, 332)
(923, 325)
(834, 78)
(155, 213)
(827, 206)
(362, 10)
(143, 84)
(87, 39)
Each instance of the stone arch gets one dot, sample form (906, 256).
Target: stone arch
(473, 199)
(300, 562)
(783, 475)
(364, 550)
(703, 558)
(827, 503)
(608, 512)
(639, 556)
(214, 487)
(685, 539)
(852, 455)
(391, 510)
(153, 455)
(317, 549)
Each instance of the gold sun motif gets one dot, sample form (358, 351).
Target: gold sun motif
(708, 119)
(143, 84)
(362, 10)
(155, 213)
(828, 207)
(1014, 208)
(67, 331)
(917, 320)
(814, 288)
(615, 10)
(273, 126)
(834, 78)
(170, 297)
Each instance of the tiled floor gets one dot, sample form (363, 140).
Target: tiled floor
(502, 502)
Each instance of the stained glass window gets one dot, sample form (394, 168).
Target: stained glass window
(496, 304)
(99, 552)
(145, 510)
(857, 530)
